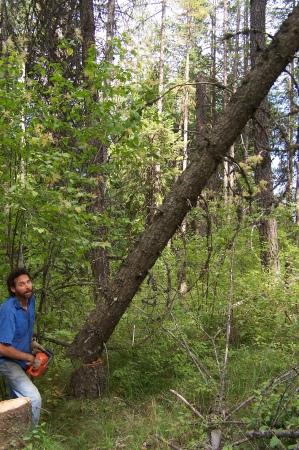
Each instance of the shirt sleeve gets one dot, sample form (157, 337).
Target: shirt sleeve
(7, 328)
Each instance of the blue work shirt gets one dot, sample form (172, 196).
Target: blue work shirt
(16, 326)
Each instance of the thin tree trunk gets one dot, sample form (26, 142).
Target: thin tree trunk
(213, 62)
(263, 171)
(110, 25)
(98, 256)
(89, 342)
(162, 58)
(154, 171)
(3, 24)
(200, 110)
(235, 80)
(157, 168)
(246, 68)
(290, 136)
(182, 274)
(226, 165)
(186, 95)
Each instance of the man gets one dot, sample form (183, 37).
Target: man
(17, 350)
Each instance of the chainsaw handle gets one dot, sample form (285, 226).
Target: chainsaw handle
(45, 354)
(50, 355)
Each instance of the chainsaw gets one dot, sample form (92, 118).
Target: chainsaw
(46, 357)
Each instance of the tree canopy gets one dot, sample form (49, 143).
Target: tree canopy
(149, 168)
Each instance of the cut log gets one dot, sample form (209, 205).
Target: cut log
(15, 422)
(89, 380)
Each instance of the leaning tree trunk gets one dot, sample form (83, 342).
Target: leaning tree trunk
(89, 342)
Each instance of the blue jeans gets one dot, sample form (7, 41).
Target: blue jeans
(20, 385)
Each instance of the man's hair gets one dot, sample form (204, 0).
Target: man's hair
(16, 273)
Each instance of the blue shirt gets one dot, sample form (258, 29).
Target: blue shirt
(16, 325)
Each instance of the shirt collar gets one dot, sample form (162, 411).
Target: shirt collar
(18, 304)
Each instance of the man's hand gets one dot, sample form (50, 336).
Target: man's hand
(36, 363)
(36, 347)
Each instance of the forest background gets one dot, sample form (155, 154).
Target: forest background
(103, 106)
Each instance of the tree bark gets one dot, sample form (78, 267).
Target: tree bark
(88, 344)
(263, 171)
(3, 24)
(154, 188)
(98, 256)
(15, 422)
(89, 380)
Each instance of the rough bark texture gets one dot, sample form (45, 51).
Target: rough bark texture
(89, 380)
(263, 171)
(98, 256)
(200, 110)
(15, 422)
(88, 343)
(87, 27)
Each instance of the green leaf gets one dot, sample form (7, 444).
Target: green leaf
(274, 442)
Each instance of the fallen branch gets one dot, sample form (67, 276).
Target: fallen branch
(237, 443)
(271, 433)
(240, 406)
(197, 413)
(251, 435)
(166, 442)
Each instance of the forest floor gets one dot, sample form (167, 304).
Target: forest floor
(152, 417)
(112, 423)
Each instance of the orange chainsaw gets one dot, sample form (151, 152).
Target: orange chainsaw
(46, 357)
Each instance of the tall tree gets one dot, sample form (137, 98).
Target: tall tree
(226, 165)
(263, 171)
(98, 255)
(99, 326)
(154, 190)
(3, 24)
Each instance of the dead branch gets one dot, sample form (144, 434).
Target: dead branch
(271, 433)
(166, 442)
(197, 413)
(240, 406)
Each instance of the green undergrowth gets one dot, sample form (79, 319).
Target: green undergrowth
(129, 417)
(114, 422)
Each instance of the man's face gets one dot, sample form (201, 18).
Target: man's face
(23, 287)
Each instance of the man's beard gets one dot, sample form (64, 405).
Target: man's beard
(24, 295)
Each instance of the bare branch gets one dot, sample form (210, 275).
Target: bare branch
(197, 413)
(167, 442)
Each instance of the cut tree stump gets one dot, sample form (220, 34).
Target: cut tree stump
(15, 422)
(89, 380)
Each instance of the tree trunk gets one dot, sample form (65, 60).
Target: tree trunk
(226, 164)
(263, 171)
(98, 256)
(110, 24)
(213, 57)
(200, 110)
(4, 25)
(185, 132)
(89, 380)
(246, 132)
(89, 342)
(15, 422)
(154, 188)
